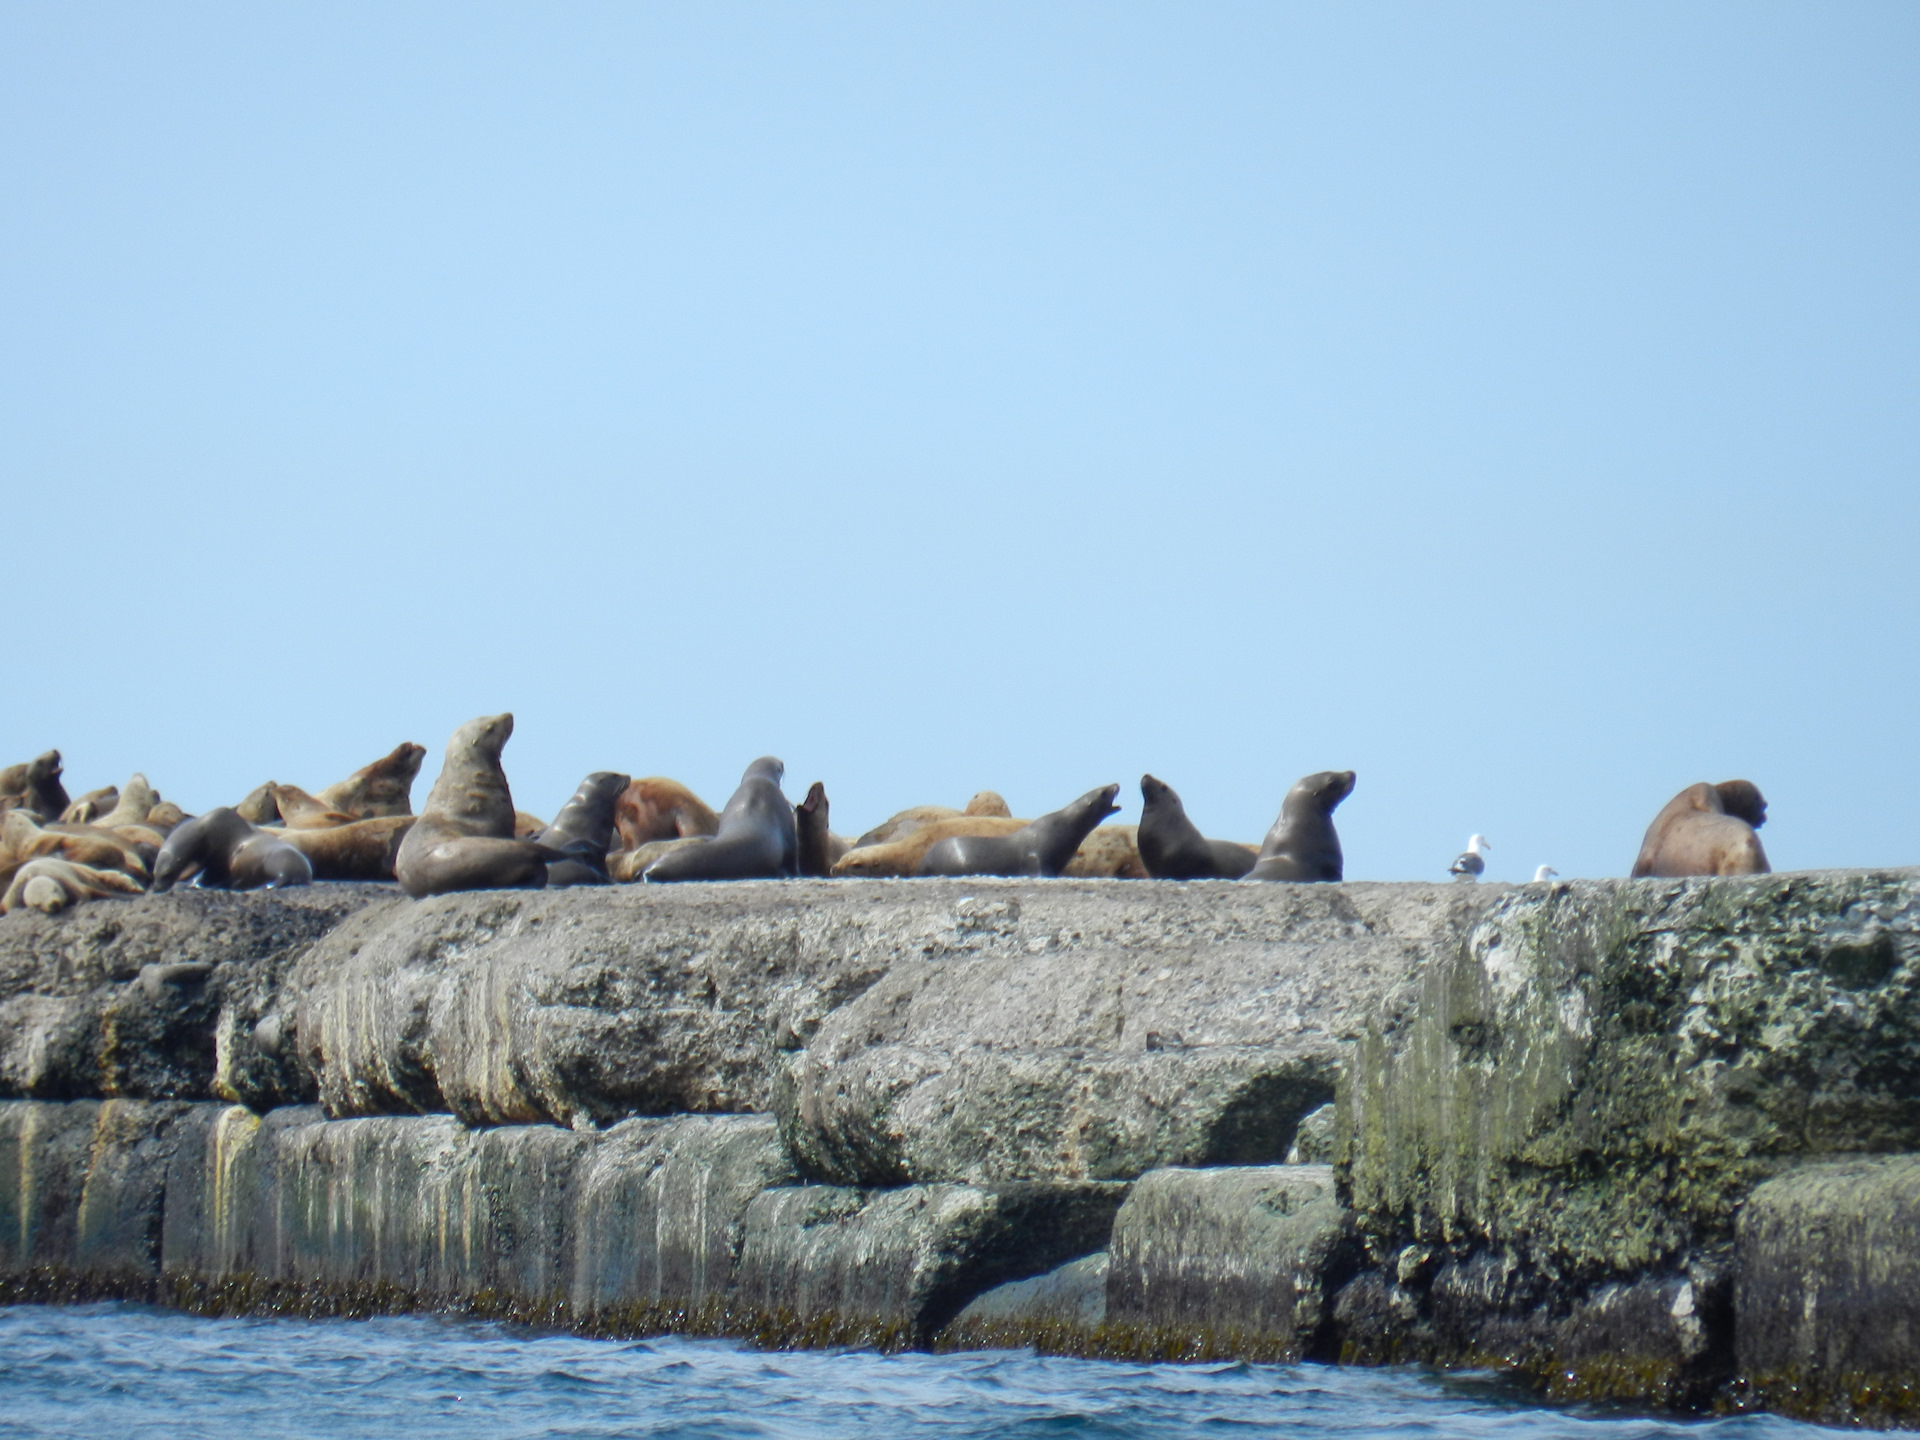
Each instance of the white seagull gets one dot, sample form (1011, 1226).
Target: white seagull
(1468, 866)
(1545, 872)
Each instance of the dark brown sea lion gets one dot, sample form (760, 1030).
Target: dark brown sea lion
(52, 885)
(35, 785)
(1172, 847)
(758, 838)
(1303, 845)
(986, 803)
(464, 838)
(583, 831)
(1706, 830)
(383, 788)
(230, 854)
(359, 850)
(820, 848)
(655, 808)
(1040, 847)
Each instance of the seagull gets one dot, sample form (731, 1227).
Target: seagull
(1469, 865)
(1545, 872)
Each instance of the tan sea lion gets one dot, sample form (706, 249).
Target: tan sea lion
(902, 857)
(626, 866)
(1042, 847)
(301, 811)
(23, 838)
(655, 808)
(464, 838)
(135, 803)
(228, 853)
(898, 826)
(259, 807)
(820, 848)
(1172, 847)
(52, 885)
(1706, 830)
(1303, 846)
(527, 827)
(91, 806)
(35, 785)
(1111, 852)
(166, 815)
(758, 838)
(583, 831)
(358, 850)
(383, 788)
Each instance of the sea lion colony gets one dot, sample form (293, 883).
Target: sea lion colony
(56, 850)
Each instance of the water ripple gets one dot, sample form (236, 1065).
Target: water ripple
(129, 1373)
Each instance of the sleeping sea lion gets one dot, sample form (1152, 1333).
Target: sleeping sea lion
(165, 816)
(230, 854)
(52, 885)
(820, 848)
(583, 831)
(625, 866)
(301, 811)
(1112, 852)
(464, 838)
(656, 808)
(527, 827)
(91, 806)
(259, 807)
(1303, 845)
(35, 785)
(381, 789)
(1172, 847)
(902, 857)
(1706, 830)
(22, 838)
(758, 838)
(985, 803)
(1040, 847)
(358, 850)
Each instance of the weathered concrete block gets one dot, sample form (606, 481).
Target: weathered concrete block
(1827, 1303)
(1095, 1030)
(1062, 1311)
(158, 997)
(1241, 1260)
(1594, 1083)
(581, 1006)
(827, 1264)
(659, 1210)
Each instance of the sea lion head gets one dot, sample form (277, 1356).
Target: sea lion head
(1099, 801)
(1742, 798)
(1324, 788)
(816, 798)
(1155, 791)
(44, 769)
(485, 737)
(766, 768)
(988, 802)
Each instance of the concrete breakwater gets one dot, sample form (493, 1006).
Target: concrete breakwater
(1643, 1139)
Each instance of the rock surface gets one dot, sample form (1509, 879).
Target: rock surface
(1089, 1030)
(1827, 1305)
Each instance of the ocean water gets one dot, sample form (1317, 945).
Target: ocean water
(124, 1372)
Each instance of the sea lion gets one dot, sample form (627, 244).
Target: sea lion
(52, 885)
(259, 807)
(23, 838)
(1112, 852)
(902, 857)
(1172, 847)
(527, 827)
(625, 866)
(1303, 845)
(35, 785)
(301, 811)
(656, 808)
(820, 848)
(165, 816)
(758, 838)
(1706, 830)
(358, 850)
(91, 806)
(135, 803)
(1040, 847)
(464, 838)
(583, 831)
(230, 854)
(381, 789)
(985, 803)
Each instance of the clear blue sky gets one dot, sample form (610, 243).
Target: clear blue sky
(1516, 404)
